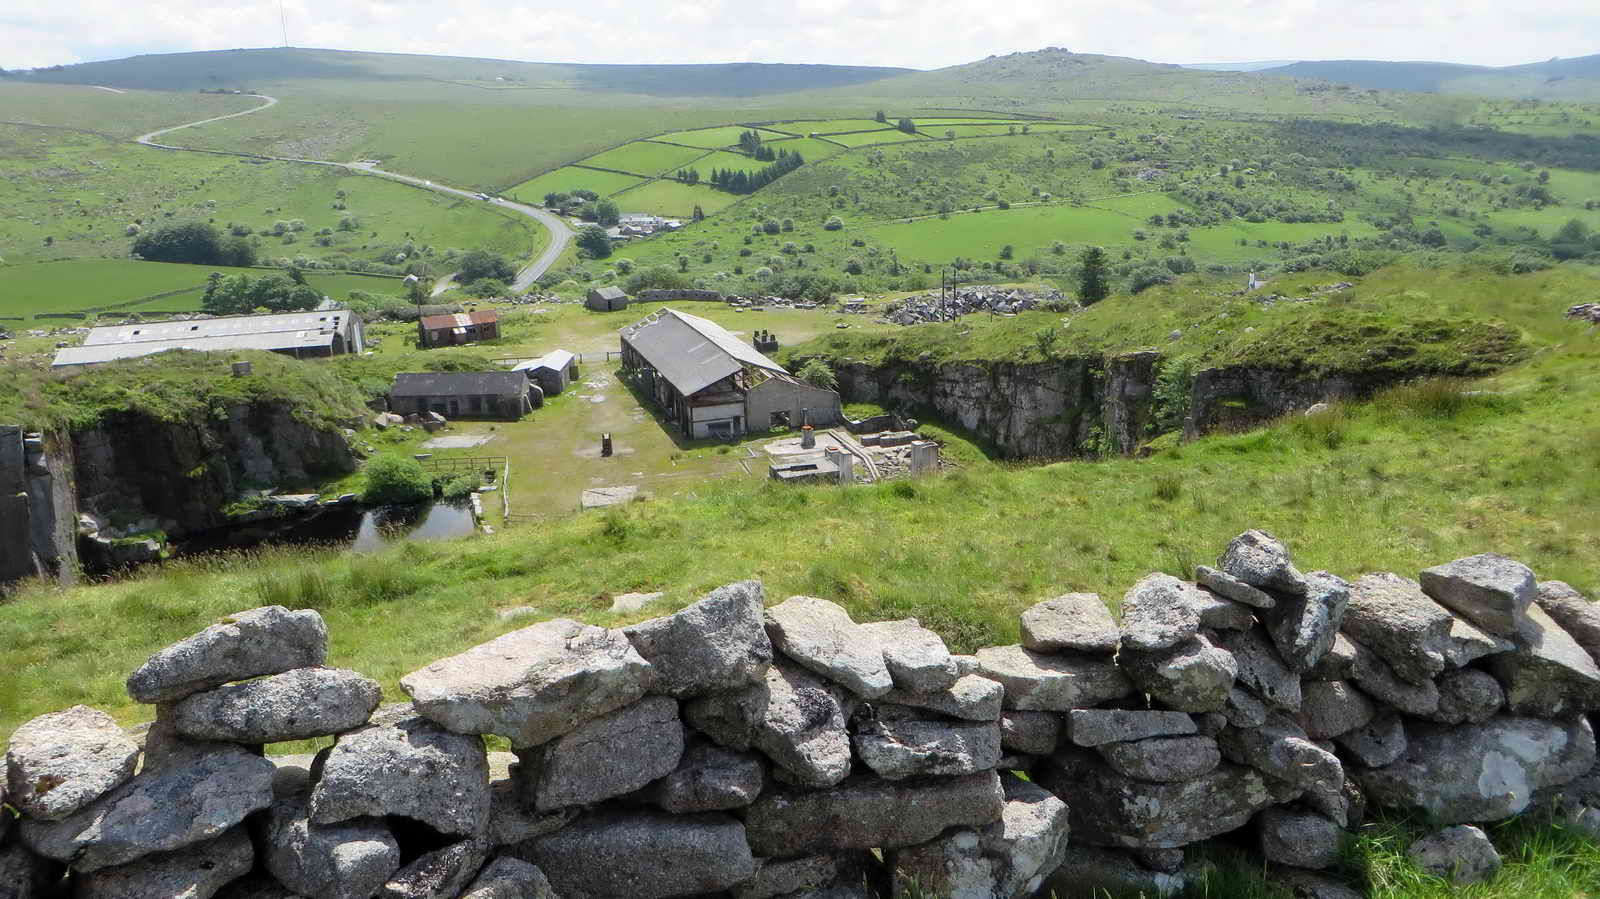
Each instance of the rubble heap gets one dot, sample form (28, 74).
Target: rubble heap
(966, 301)
(738, 750)
(1589, 312)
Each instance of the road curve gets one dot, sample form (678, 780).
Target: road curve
(560, 233)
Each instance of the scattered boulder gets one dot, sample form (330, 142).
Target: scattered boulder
(352, 860)
(193, 872)
(295, 705)
(1052, 683)
(916, 657)
(1261, 670)
(440, 874)
(1303, 626)
(1163, 759)
(1480, 772)
(1391, 616)
(1157, 615)
(1461, 854)
(509, 878)
(1194, 676)
(908, 747)
(1094, 727)
(796, 718)
(531, 685)
(268, 640)
(709, 779)
(1298, 838)
(644, 854)
(1549, 675)
(405, 765)
(1488, 589)
(614, 754)
(972, 697)
(1330, 708)
(1030, 733)
(1467, 694)
(1573, 612)
(820, 636)
(718, 643)
(1078, 622)
(159, 810)
(1377, 743)
(59, 763)
(1224, 584)
(1257, 558)
(882, 814)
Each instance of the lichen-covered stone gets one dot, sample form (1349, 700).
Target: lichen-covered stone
(1194, 676)
(441, 874)
(909, 747)
(617, 753)
(1259, 559)
(1377, 743)
(510, 878)
(1488, 589)
(405, 765)
(352, 860)
(1163, 759)
(820, 636)
(1303, 627)
(644, 854)
(1031, 733)
(1157, 615)
(709, 778)
(795, 718)
(193, 872)
(718, 643)
(1052, 683)
(1224, 584)
(1578, 616)
(268, 640)
(1092, 871)
(1299, 838)
(1375, 678)
(1029, 841)
(1330, 708)
(972, 697)
(916, 657)
(294, 705)
(1467, 694)
(1093, 727)
(1261, 669)
(881, 814)
(1077, 622)
(1461, 854)
(1391, 616)
(59, 763)
(1548, 675)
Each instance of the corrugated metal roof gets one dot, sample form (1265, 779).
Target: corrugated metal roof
(228, 326)
(691, 352)
(459, 320)
(557, 360)
(458, 383)
(275, 342)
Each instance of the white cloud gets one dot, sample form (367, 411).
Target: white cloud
(925, 34)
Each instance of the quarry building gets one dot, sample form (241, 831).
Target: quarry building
(461, 394)
(303, 335)
(458, 328)
(553, 372)
(711, 384)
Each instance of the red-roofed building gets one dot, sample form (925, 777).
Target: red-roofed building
(453, 330)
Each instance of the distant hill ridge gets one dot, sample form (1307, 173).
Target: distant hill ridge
(1574, 78)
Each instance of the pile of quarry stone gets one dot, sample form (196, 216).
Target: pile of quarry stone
(736, 750)
(965, 301)
(1589, 312)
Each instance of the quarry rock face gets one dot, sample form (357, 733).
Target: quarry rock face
(792, 753)
(268, 640)
(61, 762)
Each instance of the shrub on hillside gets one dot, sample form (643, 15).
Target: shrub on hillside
(193, 242)
(1147, 276)
(478, 264)
(396, 479)
(656, 277)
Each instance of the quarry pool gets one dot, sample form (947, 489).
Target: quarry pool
(361, 529)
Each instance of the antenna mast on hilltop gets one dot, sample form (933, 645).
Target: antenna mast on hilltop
(283, 22)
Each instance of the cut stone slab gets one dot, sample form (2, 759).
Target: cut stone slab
(295, 705)
(916, 657)
(1468, 694)
(1091, 871)
(1078, 622)
(193, 872)
(820, 636)
(718, 643)
(1462, 854)
(1391, 616)
(1574, 612)
(1111, 809)
(1375, 678)
(1489, 590)
(268, 640)
(614, 754)
(795, 718)
(1224, 584)
(1330, 708)
(1194, 676)
(710, 779)
(510, 878)
(59, 763)
(644, 854)
(531, 685)
(897, 749)
(1303, 627)
(1030, 839)
(1377, 743)
(1030, 733)
(1549, 675)
(352, 860)
(1095, 727)
(601, 497)
(441, 874)
(1259, 559)
(1157, 614)
(193, 798)
(1052, 683)
(405, 765)
(1298, 838)
(1261, 670)
(882, 814)
(1163, 759)
(973, 698)
(1480, 772)
(624, 603)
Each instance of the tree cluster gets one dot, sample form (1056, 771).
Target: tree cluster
(197, 243)
(239, 294)
(475, 265)
(738, 181)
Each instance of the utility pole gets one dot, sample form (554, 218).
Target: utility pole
(283, 22)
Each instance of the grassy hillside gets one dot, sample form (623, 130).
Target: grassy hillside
(1568, 79)
(115, 114)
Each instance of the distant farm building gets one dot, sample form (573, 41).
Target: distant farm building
(461, 394)
(303, 335)
(607, 299)
(711, 384)
(553, 372)
(457, 329)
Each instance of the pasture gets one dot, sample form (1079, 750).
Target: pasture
(121, 116)
(673, 199)
(570, 178)
(870, 138)
(709, 138)
(645, 158)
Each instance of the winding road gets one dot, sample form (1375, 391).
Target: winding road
(560, 233)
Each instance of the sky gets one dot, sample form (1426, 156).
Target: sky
(922, 34)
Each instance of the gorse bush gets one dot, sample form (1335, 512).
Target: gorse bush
(393, 480)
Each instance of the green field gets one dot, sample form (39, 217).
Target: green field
(982, 234)
(705, 138)
(644, 158)
(812, 149)
(569, 178)
(870, 138)
(831, 126)
(727, 159)
(671, 198)
(117, 115)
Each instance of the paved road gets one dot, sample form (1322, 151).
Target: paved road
(560, 233)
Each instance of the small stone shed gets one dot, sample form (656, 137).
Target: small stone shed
(553, 372)
(453, 330)
(462, 394)
(607, 299)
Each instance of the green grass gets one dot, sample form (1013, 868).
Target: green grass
(569, 178)
(707, 138)
(122, 116)
(981, 235)
(644, 158)
(831, 126)
(726, 159)
(671, 198)
(873, 138)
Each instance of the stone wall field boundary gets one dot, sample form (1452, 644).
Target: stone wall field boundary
(740, 750)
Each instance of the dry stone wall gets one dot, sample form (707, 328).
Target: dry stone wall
(743, 750)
